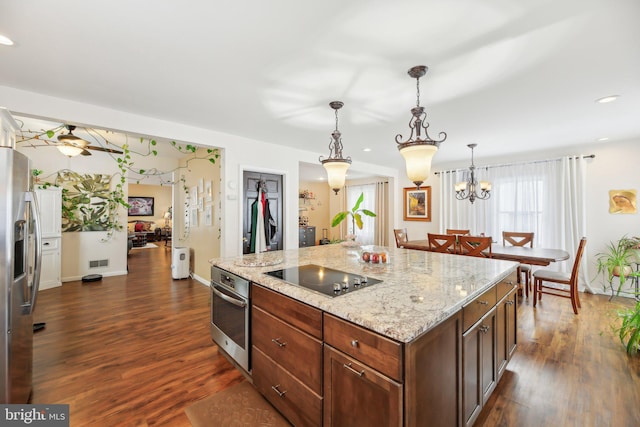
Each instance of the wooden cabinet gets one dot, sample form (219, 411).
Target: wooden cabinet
(507, 329)
(306, 236)
(286, 341)
(319, 369)
(488, 342)
(478, 366)
(361, 381)
(356, 395)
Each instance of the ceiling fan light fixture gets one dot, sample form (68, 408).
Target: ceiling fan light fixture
(418, 151)
(70, 150)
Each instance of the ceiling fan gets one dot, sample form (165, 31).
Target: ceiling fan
(73, 145)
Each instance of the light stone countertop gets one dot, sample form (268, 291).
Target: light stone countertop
(419, 289)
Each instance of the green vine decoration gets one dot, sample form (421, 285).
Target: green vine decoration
(102, 214)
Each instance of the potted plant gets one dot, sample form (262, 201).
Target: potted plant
(629, 329)
(616, 261)
(356, 218)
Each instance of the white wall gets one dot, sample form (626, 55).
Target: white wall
(239, 154)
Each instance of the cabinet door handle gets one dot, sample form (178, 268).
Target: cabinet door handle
(277, 341)
(348, 366)
(483, 302)
(354, 343)
(510, 302)
(275, 388)
(484, 329)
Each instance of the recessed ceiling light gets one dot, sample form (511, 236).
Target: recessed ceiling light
(606, 99)
(5, 40)
(606, 138)
(366, 149)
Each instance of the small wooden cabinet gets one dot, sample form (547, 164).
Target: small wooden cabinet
(306, 236)
(356, 395)
(286, 341)
(507, 329)
(488, 342)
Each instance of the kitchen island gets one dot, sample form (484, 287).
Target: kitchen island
(426, 345)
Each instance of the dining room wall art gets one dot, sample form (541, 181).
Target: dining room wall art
(417, 204)
(623, 202)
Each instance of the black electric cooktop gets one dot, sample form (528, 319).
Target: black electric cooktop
(324, 280)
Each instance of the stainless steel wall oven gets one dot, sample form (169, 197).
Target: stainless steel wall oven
(230, 315)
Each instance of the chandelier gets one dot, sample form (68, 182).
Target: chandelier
(418, 151)
(336, 165)
(467, 190)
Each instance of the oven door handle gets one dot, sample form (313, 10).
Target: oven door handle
(233, 301)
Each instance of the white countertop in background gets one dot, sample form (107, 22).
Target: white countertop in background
(419, 289)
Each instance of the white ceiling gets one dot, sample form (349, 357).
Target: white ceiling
(511, 76)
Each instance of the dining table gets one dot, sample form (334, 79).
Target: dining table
(521, 254)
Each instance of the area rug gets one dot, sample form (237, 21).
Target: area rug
(147, 246)
(237, 406)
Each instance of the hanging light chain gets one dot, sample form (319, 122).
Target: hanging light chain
(417, 91)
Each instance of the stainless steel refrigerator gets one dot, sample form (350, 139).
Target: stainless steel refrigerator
(20, 258)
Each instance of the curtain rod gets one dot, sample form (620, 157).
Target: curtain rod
(589, 156)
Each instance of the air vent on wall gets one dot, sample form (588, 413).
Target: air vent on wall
(99, 263)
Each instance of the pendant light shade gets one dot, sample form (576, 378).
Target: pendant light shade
(418, 151)
(336, 173)
(336, 165)
(418, 161)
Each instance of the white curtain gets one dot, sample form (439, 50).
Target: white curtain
(547, 197)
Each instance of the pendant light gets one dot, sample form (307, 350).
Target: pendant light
(468, 189)
(418, 151)
(336, 165)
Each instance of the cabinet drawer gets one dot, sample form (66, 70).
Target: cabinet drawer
(300, 405)
(378, 352)
(506, 286)
(52, 244)
(296, 351)
(300, 315)
(477, 308)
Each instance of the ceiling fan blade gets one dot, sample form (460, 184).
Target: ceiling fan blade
(106, 150)
(85, 153)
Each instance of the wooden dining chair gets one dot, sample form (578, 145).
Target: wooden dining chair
(445, 243)
(459, 232)
(479, 246)
(401, 236)
(515, 238)
(560, 284)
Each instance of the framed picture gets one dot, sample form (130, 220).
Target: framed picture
(417, 204)
(208, 213)
(200, 204)
(623, 202)
(140, 206)
(208, 193)
(193, 193)
(193, 218)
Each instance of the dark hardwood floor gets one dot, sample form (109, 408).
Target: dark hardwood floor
(135, 351)
(129, 350)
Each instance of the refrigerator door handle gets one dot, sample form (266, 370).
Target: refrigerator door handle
(30, 197)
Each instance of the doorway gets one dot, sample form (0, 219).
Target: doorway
(254, 185)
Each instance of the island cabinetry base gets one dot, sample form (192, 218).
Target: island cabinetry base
(507, 329)
(479, 374)
(358, 396)
(286, 338)
(433, 380)
(297, 402)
